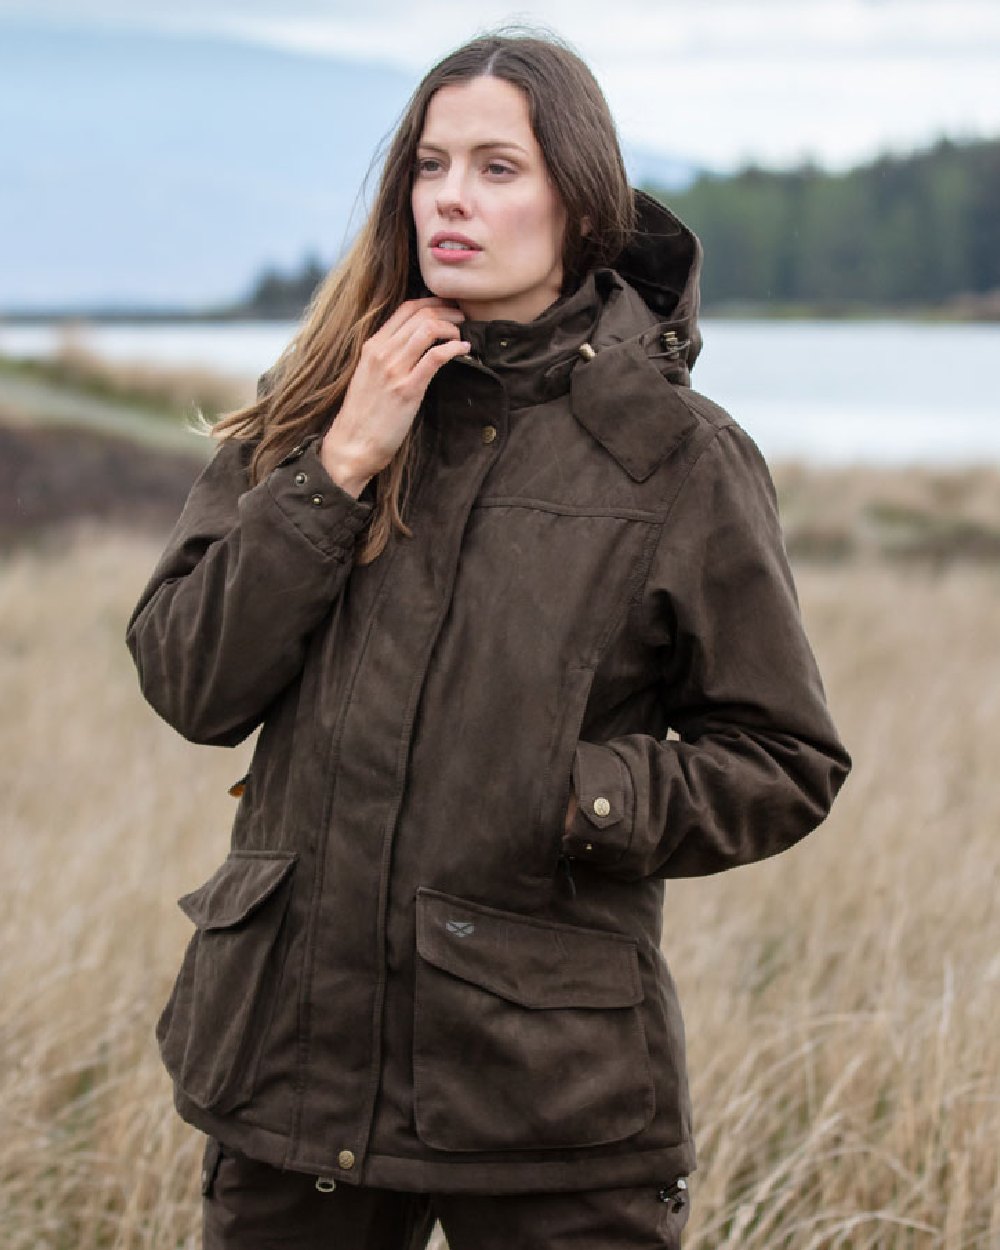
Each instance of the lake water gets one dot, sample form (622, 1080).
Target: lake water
(827, 392)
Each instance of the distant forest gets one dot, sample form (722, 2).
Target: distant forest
(914, 231)
(910, 233)
(279, 295)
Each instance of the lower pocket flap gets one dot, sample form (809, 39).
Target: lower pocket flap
(534, 963)
(241, 883)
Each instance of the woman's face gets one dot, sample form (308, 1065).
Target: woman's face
(489, 222)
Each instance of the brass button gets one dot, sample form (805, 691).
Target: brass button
(345, 1160)
(589, 846)
(317, 501)
(601, 806)
(300, 479)
(489, 433)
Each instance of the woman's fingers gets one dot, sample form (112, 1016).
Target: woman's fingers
(398, 345)
(412, 308)
(390, 365)
(403, 313)
(432, 360)
(394, 370)
(419, 334)
(413, 337)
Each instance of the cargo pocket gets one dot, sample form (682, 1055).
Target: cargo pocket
(527, 1033)
(211, 1029)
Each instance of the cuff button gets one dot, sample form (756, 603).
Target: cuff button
(601, 806)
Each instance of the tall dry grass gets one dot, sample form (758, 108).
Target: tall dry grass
(841, 1001)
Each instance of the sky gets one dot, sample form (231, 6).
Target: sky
(720, 81)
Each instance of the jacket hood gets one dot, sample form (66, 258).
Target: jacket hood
(662, 263)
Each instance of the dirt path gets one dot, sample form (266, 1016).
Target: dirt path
(32, 401)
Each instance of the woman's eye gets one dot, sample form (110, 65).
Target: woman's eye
(498, 168)
(428, 165)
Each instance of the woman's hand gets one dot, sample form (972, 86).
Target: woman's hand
(386, 390)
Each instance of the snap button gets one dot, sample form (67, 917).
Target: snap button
(588, 846)
(325, 1184)
(489, 433)
(504, 342)
(317, 501)
(345, 1160)
(300, 479)
(601, 806)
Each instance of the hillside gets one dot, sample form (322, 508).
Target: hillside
(168, 169)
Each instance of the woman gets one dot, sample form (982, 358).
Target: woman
(473, 554)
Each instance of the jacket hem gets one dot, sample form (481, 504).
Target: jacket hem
(498, 1176)
(254, 1140)
(466, 1175)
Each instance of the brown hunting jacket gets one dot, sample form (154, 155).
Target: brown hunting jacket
(404, 974)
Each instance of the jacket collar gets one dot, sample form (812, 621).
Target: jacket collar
(616, 344)
(533, 359)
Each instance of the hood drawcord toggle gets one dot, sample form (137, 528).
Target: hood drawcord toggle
(672, 346)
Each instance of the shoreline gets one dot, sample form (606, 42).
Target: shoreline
(969, 308)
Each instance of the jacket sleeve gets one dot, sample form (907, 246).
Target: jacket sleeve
(757, 761)
(248, 572)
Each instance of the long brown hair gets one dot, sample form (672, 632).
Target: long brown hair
(574, 129)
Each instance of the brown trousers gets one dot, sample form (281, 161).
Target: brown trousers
(250, 1205)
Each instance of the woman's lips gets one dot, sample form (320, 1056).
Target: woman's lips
(453, 249)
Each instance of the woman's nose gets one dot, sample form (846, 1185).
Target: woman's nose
(452, 200)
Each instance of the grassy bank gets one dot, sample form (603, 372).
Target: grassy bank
(166, 392)
(118, 465)
(831, 516)
(841, 1001)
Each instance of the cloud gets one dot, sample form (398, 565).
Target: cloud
(719, 80)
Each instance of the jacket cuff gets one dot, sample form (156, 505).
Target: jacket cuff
(317, 506)
(601, 830)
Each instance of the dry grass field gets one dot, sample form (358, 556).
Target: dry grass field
(842, 1001)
